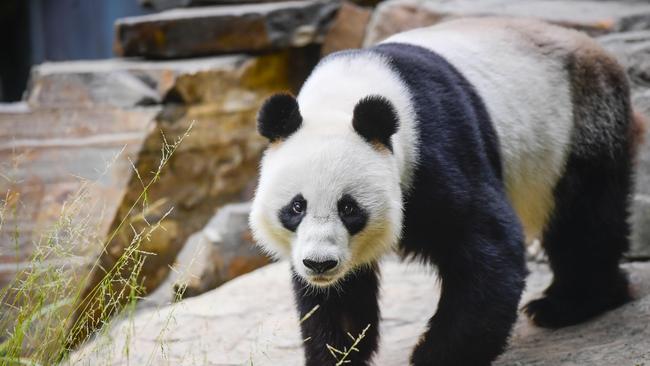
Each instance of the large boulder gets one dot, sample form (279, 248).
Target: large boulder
(594, 17)
(224, 29)
(252, 320)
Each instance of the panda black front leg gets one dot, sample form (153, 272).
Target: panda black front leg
(337, 313)
(482, 278)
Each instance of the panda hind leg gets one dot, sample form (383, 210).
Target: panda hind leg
(585, 239)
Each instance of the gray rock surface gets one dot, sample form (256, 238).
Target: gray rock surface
(251, 320)
(594, 17)
(169, 4)
(61, 175)
(126, 83)
(222, 250)
(348, 28)
(224, 29)
(632, 49)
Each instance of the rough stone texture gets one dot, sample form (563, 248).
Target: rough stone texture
(251, 320)
(127, 83)
(224, 29)
(223, 250)
(169, 4)
(633, 51)
(640, 247)
(594, 17)
(51, 159)
(348, 29)
(122, 83)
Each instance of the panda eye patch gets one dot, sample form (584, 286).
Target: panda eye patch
(292, 214)
(354, 217)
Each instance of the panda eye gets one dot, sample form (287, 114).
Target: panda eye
(353, 216)
(293, 212)
(298, 207)
(348, 209)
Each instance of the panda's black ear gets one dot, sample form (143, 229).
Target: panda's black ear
(375, 119)
(279, 117)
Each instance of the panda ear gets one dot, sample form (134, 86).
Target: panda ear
(375, 119)
(279, 117)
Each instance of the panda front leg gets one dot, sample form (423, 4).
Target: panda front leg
(482, 279)
(329, 316)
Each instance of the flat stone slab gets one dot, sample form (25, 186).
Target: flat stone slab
(170, 4)
(593, 17)
(251, 320)
(224, 29)
(122, 83)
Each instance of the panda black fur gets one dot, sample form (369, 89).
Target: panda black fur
(441, 142)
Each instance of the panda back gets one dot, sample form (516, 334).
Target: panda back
(518, 67)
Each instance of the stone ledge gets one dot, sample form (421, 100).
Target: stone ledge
(123, 83)
(224, 29)
(593, 17)
(128, 83)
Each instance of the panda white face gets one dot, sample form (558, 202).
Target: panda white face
(331, 202)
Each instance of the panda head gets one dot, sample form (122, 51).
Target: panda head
(328, 197)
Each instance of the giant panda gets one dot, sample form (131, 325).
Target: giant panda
(452, 145)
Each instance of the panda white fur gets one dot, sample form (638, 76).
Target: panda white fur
(451, 144)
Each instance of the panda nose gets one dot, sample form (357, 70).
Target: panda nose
(320, 267)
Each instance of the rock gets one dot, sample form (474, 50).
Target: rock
(593, 17)
(231, 250)
(223, 250)
(348, 29)
(169, 4)
(224, 29)
(640, 247)
(632, 49)
(62, 177)
(79, 84)
(252, 320)
(127, 83)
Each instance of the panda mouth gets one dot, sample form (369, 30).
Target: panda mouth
(322, 280)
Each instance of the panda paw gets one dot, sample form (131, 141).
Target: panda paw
(471, 354)
(556, 312)
(548, 313)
